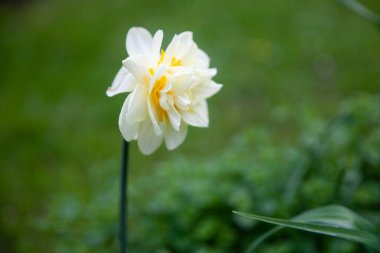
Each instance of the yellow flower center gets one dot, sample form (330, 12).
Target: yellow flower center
(174, 61)
(159, 85)
(156, 95)
(162, 56)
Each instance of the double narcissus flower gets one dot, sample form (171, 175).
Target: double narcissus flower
(168, 89)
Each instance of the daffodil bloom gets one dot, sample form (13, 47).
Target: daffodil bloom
(168, 89)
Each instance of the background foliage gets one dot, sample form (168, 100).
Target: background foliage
(270, 148)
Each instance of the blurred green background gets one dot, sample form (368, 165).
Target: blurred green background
(288, 69)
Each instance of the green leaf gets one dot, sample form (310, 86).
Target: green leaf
(336, 221)
(362, 10)
(262, 238)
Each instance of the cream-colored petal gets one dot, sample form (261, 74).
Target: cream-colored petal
(197, 115)
(182, 102)
(139, 41)
(196, 58)
(181, 70)
(167, 87)
(136, 65)
(184, 45)
(181, 83)
(138, 108)
(123, 82)
(174, 117)
(205, 90)
(164, 101)
(202, 60)
(206, 72)
(153, 117)
(179, 47)
(148, 141)
(171, 50)
(156, 45)
(175, 138)
(128, 130)
(157, 75)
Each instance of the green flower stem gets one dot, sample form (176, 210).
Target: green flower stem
(124, 198)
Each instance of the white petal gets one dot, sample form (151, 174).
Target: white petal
(182, 102)
(123, 82)
(156, 45)
(197, 115)
(202, 61)
(206, 72)
(138, 108)
(179, 47)
(171, 100)
(153, 117)
(175, 138)
(164, 101)
(128, 131)
(205, 90)
(148, 141)
(196, 58)
(157, 75)
(182, 83)
(184, 44)
(186, 37)
(174, 117)
(136, 65)
(181, 70)
(139, 41)
(167, 87)
(171, 50)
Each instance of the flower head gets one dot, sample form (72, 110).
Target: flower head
(168, 89)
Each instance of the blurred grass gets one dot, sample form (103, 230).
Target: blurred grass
(276, 59)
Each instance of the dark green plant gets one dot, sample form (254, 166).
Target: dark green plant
(190, 201)
(186, 204)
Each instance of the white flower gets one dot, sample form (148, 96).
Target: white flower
(168, 89)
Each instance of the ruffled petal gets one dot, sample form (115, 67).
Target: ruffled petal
(123, 82)
(139, 41)
(197, 115)
(181, 83)
(206, 72)
(170, 50)
(202, 59)
(157, 75)
(175, 138)
(179, 47)
(174, 117)
(182, 102)
(156, 45)
(128, 131)
(153, 117)
(148, 141)
(138, 108)
(164, 101)
(136, 65)
(205, 90)
(196, 58)
(184, 45)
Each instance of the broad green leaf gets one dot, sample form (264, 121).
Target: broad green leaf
(336, 221)
(335, 215)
